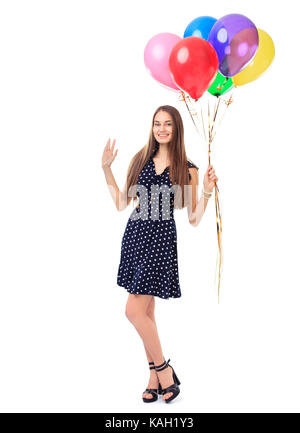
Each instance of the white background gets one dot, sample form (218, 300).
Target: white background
(72, 74)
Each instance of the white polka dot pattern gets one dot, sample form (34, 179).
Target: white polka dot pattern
(148, 261)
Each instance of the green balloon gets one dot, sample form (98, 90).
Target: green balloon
(221, 85)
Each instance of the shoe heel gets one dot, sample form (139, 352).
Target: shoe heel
(159, 388)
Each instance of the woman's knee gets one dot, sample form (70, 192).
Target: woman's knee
(150, 310)
(136, 307)
(131, 312)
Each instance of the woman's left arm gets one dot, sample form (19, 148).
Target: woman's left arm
(195, 207)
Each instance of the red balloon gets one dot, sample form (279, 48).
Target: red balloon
(193, 65)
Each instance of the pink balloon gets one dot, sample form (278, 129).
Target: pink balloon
(156, 58)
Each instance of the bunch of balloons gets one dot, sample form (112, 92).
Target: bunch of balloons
(213, 55)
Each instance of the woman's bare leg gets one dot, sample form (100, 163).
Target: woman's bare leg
(136, 312)
(153, 380)
(138, 308)
(150, 313)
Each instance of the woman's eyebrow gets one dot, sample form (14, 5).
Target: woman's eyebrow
(157, 121)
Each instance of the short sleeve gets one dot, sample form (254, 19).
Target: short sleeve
(191, 165)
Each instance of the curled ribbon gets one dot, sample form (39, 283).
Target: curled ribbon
(212, 129)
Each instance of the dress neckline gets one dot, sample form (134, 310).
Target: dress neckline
(153, 163)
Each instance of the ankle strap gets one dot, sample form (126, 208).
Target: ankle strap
(162, 366)
(151, 368)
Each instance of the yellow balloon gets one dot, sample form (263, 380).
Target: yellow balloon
(261, 61)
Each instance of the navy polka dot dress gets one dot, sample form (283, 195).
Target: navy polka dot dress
(148, 262)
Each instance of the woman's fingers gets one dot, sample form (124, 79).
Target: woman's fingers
(107, 144)
(107, 147)
(211, 174)
(113, 145)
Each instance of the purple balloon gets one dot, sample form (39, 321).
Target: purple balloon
(235, 39)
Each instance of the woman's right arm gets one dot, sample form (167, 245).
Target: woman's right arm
(119, 197)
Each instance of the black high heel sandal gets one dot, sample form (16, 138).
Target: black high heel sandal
(174, 388)
(152, 391)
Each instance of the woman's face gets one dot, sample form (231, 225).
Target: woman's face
(163, 127)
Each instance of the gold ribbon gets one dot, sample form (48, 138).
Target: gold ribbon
(212, 129)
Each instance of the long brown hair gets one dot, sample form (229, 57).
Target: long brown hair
(178, 168)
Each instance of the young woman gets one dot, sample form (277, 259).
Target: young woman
(161, 178)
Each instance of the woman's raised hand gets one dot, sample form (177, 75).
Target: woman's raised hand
(108, 154)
